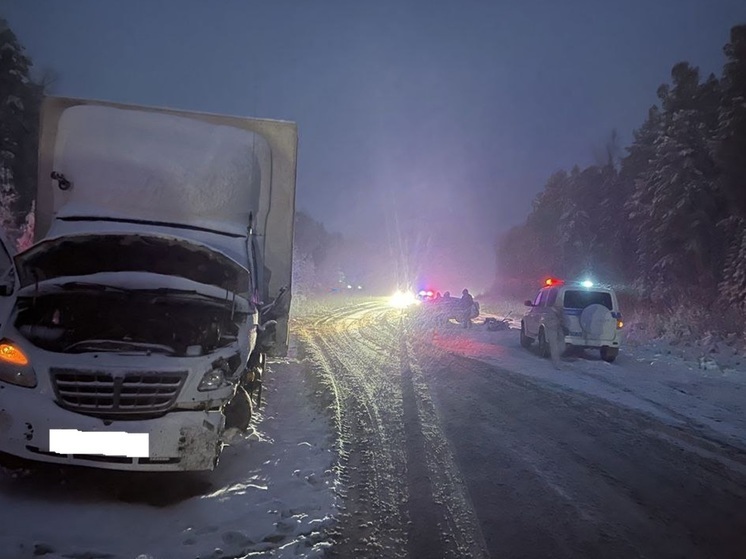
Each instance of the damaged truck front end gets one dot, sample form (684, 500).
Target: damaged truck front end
(126, 334)
(135, 329)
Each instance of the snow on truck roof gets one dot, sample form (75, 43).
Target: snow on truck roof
(142, 165)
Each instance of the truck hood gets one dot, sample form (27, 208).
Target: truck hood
(135, 281)
(91, 255)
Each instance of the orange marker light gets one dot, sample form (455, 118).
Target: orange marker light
(11, 354)
(619, 324)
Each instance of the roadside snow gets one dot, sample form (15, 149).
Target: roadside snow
(272, 495)
(648, 377)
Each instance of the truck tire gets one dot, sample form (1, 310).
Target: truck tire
(239, 410)
(254, 376)
(525, 340)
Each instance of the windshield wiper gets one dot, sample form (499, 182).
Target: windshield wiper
(92, 285)
(189, 293)
(174, 290)
(119, 345)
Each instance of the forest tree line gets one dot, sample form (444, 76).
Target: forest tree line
(20, 100)
(666, 222)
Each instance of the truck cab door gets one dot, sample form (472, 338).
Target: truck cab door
(8, 279)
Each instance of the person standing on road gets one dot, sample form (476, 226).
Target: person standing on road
(555, 335)
(467, 302)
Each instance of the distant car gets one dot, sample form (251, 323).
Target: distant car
(590, 317)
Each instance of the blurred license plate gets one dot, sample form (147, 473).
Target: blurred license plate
(105, 443)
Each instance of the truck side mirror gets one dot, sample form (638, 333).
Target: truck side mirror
(528, 303)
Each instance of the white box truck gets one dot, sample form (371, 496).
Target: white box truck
(134, 330)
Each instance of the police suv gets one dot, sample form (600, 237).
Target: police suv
(589, 316)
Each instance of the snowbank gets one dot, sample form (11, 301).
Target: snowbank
(650, 377)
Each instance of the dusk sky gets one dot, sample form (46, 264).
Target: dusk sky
(448, 116)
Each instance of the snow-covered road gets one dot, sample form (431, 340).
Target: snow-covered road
(390, 439)
(404, 493)
(461, 443)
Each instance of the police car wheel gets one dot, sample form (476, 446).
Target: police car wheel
(525, 340)
(608, 354)
(543, 345)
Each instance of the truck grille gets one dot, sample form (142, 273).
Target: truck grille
(126, 393)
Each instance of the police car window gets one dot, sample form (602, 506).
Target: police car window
(581, 299)
(537, 301)
(543, 299)
(552, 297)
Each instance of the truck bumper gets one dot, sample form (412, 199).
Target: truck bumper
(177, 441)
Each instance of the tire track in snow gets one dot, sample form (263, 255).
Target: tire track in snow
(372, 523)
(364, 351)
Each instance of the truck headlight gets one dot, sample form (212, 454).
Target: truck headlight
(212, 380)
(15, 367)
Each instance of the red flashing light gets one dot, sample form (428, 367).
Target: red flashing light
(552, 281)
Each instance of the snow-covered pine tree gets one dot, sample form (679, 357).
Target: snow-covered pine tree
(543, 227)
(675, 206)
(8, 199)
(15, 157)
(26, 238)
(730, 153)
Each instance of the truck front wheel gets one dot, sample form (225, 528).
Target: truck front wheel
(254, 376)
(239, 410)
